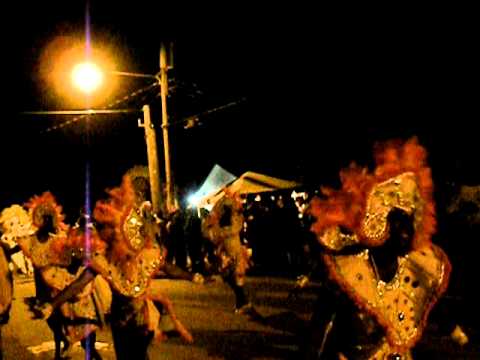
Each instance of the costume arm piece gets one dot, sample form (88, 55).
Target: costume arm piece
(156, 296)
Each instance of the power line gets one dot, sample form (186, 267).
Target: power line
(82, 112)
(109, 106)
(193, 120)
(188, 122)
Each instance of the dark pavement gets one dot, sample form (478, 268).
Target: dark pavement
(207, 310)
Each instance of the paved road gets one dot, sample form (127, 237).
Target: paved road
(219, 333)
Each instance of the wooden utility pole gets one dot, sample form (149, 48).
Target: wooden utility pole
(166, 145)
(152, 154)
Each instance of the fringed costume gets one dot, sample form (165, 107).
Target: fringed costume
(54, 261)
(6, 280)
(132, 256)
(42, 235)
(383, 300)
(222, 227)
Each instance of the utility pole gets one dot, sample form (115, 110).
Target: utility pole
(153, 169)
(166, 145)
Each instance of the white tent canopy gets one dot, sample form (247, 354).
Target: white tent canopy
(216, 180)
(248, 183)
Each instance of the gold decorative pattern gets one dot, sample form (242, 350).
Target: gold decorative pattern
(333, 239)
(45, 253)
(132, 229)
(401, 305)
(398, 192)
(385, 351)
(134, 281)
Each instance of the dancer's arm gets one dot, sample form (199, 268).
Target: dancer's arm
(69, 292)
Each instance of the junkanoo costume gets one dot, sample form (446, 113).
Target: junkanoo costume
(128, 261)
(6, 289)
(51, 257)
(351, 222)
(223, 227)
(58, 277)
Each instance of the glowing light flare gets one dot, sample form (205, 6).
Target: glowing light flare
(78, 77)
(87, 77)
(193, 200)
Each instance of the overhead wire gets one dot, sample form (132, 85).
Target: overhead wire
(188, 121)
(116, 102)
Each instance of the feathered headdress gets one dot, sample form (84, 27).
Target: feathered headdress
(54, 249)
(357, 213)
(46, 205)
(122, 218)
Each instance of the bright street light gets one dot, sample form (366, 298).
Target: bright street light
(95, 75)
(87, 77)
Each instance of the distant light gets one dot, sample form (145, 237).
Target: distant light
(297, 195)
(258, 198)
(193, 200)
(87, 77)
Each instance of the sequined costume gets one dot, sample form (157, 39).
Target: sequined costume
(11, 226)
(14, 222)
(6, 289)
(42, 236)
(386, 314)
(222, 227)
(56, 267)
(132, 256)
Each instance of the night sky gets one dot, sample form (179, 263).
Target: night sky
(319, 90)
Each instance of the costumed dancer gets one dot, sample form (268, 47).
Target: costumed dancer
(222, 226)
(18, 262)
(6, 280)
(46, 245)
(385, 274)
(131, 259)
(18, 226)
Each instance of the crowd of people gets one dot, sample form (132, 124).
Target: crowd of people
(370, 240)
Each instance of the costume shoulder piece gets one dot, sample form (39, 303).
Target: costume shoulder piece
(401, 180)
(357, 215)
(126, 216)
(129, 229)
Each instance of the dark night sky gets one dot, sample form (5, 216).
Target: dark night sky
(319, 89)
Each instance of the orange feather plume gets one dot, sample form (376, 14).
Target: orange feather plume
(346, 207)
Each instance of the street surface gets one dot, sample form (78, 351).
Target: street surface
(207, 310)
